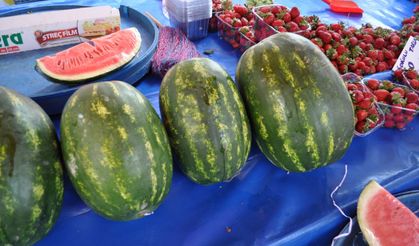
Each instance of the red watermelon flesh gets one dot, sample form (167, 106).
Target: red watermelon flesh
(93, 58)
(384, 220)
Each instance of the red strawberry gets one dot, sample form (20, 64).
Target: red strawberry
(361, 126)
(336, 36)
(242, 10)
(414, 83)
(325, 36)
(388, 54)
(398, 118)
(287, 17)
(265, 9)
(388, 116)
(353, 41)
(379, 43)
(277, 23)
(365, 104)
(276, 9)
(361, 115)
(295, 12)
(412, 97)
(357, 96)
(399, 90)
(368, 38)
(292, 26)
(341, 49)
(373, 84)
(395, 40)
(282, 29)
(351, 87)
(412, 106)
(381, 95)
(373, 111)
(396, 108)
(373, 54)
(381, 67)
(410, 74)
(398, 73)
(389, 124)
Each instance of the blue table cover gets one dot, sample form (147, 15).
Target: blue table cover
(264, 205)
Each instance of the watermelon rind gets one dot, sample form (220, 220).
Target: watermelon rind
(124, 59)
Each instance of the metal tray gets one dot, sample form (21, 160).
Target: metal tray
(17, 71)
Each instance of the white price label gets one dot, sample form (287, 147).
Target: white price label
(409, 57)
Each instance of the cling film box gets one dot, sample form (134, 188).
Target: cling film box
(54, 28)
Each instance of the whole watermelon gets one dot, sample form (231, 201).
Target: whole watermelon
(300, 110)
(206, 120)
(31, 180)
(116, 150)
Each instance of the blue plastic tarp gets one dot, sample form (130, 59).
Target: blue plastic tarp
(264, 205)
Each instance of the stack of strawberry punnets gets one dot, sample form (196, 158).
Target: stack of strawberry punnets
(368, 115)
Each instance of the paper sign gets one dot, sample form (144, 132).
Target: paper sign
(409, 57)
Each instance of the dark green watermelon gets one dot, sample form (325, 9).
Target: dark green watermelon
(300, 110)
(116, 150)
(206, 120)
(31, 182)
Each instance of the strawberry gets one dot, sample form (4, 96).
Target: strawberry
(351, 87)
(388, 54)
(361, 126)
(411, 74)
(269, 18)
(379, 43)
(368, 39)
(353, 41)
(381, 94)
(282, 29)
(242, 10)
(336, 36)
(277, 23)
(276, 9)
(244, 21)
(265, 9)
(389, 124)
(399, 90)
(357, 96)
(325, 36)
(412, 106)
(287, 17)
(373, 84)
(373, 111)
(381, 67)
(361, 115)
(364, 104)
(295, 12)
(412, 97)
(394, 39)
(398, 118)
(341, 49)
(292, 26)
(336, 27)
(396, 108)
(387, 85)
(414, 83)
(398, 73)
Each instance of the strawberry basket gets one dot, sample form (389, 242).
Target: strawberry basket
(399, 103)
(368, 115)
(413, 83)
(227, 32)
(275, 18)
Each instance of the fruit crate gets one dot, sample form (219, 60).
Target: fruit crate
(395, 116)
(227, 32)
(264, 30)
(245, 42)
(352, 78)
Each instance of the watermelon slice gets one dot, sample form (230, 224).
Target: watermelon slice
(93, 58)
(384, 220)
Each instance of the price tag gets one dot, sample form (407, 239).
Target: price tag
(409, 58)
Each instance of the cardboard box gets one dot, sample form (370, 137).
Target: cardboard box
(55, 28)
